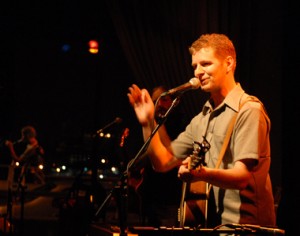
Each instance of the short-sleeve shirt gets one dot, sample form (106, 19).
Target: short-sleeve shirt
(249, 140)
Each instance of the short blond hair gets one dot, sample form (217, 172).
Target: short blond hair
(221, 44)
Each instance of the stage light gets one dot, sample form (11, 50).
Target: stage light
(93, 46)
(66, 47)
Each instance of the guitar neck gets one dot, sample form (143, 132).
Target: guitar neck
(197, 159)
(181, 211)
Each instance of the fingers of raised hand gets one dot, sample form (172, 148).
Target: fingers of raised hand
(134, 95)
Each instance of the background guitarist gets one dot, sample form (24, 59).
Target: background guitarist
(241, 185)
(160, 192)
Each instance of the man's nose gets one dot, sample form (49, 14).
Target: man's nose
(198, 72)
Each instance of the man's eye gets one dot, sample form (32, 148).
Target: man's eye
(205, 64)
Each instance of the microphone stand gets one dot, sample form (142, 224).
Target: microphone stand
(121, 188)
(22, 186)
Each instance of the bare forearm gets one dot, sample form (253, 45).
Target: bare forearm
(162, 159)
(12, 152)
(235, 178)
(224, 178)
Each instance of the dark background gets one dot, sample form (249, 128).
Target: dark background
(69, 95)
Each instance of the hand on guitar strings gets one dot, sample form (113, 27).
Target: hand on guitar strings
(189, 175)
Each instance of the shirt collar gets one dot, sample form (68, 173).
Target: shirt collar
(232, 100)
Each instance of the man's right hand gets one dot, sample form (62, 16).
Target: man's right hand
(142, 103)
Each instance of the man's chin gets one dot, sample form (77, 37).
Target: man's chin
(205, 88)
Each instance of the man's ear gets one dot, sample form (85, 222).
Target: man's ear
(230, 63)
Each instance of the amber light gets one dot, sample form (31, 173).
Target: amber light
(93, 46)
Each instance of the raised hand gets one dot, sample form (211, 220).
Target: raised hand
(142, 103)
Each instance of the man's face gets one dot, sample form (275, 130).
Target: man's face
(210, 69)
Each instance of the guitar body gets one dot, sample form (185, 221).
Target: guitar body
(193, 205)
(135, 179)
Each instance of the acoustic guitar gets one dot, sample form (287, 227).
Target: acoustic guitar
(193, 203)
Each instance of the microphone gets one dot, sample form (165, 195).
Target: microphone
(116, 121)
(268, 230)
(258, 228)
(193, 83)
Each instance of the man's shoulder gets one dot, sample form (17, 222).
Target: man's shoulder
(251, 101)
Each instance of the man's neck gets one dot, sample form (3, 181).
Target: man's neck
(219, 96)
